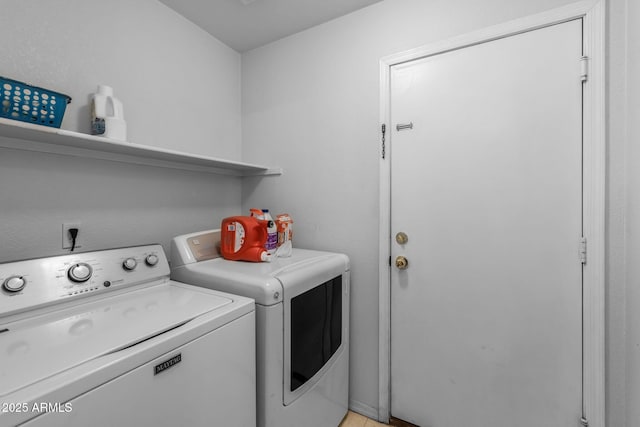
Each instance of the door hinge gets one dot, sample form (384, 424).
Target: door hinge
(584, 422)
(583, 250)
(384, 131)
(584, 68)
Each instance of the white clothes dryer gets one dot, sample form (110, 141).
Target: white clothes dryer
(105, 338)
(302, 325)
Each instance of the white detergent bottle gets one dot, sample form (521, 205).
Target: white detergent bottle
(107, 115)
(272, 233)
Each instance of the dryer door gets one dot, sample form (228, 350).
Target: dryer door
(316, 316)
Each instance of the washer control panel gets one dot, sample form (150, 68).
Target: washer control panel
(30, 284)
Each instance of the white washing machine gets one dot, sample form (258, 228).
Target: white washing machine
(302, 325)
(107, 339)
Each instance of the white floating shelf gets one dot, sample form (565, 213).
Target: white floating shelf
(29, 137)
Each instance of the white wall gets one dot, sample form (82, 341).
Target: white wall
(310, 105)
(633, 212)
(617, 399)
(180, 88)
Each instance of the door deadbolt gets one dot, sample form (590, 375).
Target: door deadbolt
(402, 238)
(402, 263)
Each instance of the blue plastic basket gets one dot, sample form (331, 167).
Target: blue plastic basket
(26, 103)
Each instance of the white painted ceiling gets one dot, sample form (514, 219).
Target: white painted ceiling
(247, 24)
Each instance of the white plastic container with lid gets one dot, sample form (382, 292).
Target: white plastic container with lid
(107, 115)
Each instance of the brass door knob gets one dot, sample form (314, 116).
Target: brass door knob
(402, 263)
(402, 238)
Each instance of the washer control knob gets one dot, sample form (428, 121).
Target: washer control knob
(80, 272)
(14, 284)
(130, 264)
(151, 260)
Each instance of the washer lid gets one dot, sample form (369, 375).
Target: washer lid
(42, 346)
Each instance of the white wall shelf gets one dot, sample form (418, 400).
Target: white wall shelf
(26, 136)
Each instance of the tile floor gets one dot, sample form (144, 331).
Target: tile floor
(354, 419)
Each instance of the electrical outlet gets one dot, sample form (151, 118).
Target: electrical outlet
(67, 241)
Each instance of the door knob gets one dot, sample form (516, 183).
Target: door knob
(402, 263)
(402, 238)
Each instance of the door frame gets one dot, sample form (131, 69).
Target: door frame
(593, 194)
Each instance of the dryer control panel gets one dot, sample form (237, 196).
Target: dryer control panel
(34, 283)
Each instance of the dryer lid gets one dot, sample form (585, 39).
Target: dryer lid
(40, 347)
(266, 282)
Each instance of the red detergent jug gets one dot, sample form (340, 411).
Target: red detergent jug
(243, 238)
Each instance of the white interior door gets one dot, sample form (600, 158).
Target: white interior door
(486, 320)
